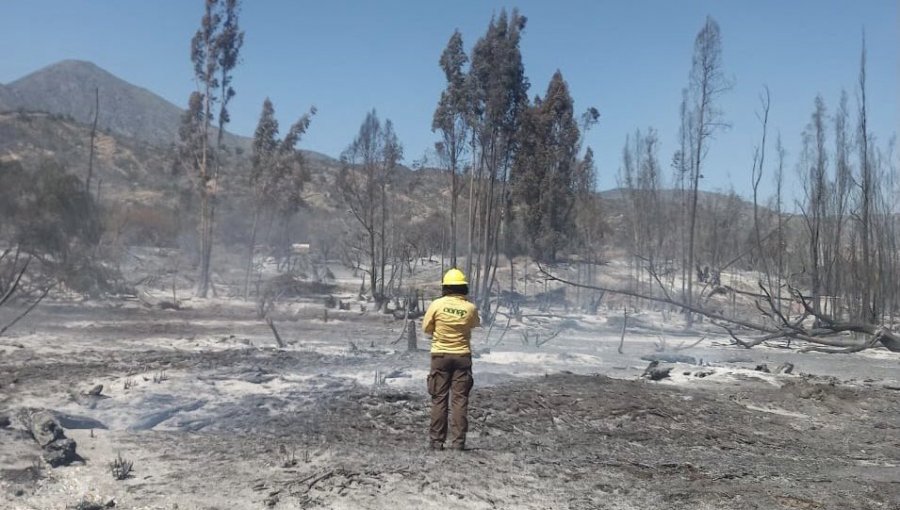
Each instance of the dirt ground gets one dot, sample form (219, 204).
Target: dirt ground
(214, 417)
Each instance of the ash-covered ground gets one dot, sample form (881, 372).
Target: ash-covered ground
(213, 415)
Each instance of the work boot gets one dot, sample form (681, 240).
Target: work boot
(437, 445)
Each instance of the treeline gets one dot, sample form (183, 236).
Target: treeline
(518, 180)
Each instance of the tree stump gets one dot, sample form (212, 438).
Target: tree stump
(411, 336)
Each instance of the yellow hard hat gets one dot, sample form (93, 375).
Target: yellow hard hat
(454, 277)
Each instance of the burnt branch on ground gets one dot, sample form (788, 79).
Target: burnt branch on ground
(827, 331)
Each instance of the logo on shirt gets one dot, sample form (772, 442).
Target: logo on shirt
(455, 311)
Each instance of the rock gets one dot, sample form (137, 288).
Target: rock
(61, 452)
(4, 421)
(654, 372)
(762, 368)
(96, 390)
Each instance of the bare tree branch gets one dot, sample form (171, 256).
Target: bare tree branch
(26, 311)
(15, 284)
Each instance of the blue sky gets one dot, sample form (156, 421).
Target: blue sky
(630, 59)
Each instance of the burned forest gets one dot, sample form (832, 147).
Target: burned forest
(198, 309)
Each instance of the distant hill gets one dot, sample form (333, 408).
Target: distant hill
(617, 196)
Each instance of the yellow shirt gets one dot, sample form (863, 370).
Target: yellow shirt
(449, 320)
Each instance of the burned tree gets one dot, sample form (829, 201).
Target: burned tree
(368, 165)
(707, 84)
(641, 179)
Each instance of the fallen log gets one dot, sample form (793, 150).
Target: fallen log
(57, 449)
(43, 427)
(823, 334)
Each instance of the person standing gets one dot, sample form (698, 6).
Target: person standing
(449, 320)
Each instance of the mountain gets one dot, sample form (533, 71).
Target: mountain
(67, 88)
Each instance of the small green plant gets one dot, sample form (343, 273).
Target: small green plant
(160, 376)
(121, 467)
(128, 383)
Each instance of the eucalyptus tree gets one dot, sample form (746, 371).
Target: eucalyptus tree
(498, 97)
(215, 50)
(278, 174)
(545, 169)
(451, 120)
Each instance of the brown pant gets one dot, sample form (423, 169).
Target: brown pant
(450, 373)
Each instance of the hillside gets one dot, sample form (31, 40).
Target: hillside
(48, 114)
(130, 170)
(135, 171)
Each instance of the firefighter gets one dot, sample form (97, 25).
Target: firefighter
(449, 320)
